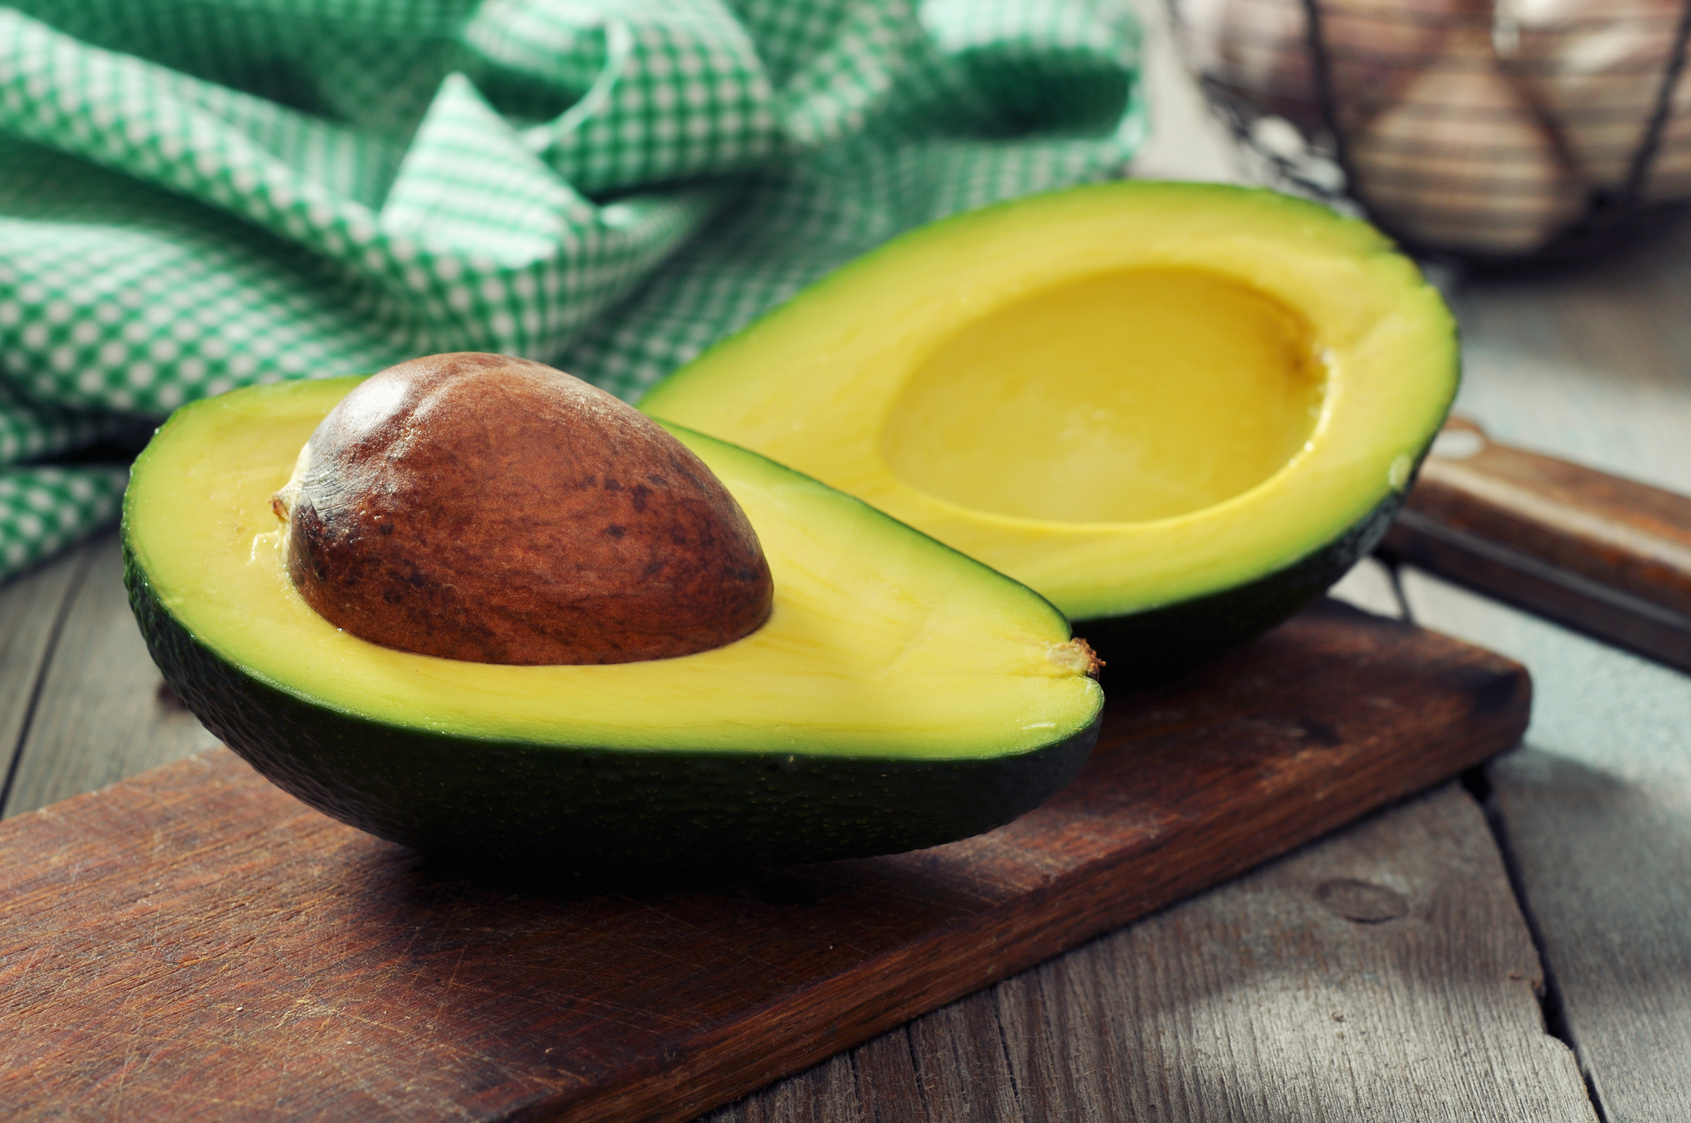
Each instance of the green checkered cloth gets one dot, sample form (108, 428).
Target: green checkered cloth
(202, 194)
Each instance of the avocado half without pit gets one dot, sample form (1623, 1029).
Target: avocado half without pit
(1179, 411)
(478, 607)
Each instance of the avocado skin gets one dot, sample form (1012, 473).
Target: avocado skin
(571, 811)
(1162, 644)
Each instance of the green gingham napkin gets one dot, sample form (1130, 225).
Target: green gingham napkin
(201, 194)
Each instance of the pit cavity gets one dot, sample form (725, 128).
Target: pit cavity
(1120, 397)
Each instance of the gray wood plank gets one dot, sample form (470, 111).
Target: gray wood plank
(1590, 363)
(101, 714)
(1370, 587)
(31, 609)
(1593, 363)
(964, 1069)
(888, 1089)
(1595, 816)
(1383, 973)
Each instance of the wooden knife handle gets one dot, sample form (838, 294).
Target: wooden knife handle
(1608, 556)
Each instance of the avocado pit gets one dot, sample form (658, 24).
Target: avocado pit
(495, 510)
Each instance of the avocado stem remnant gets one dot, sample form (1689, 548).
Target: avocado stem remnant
(1077, 656)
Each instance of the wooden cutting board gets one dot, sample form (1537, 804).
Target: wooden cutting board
(194, 944)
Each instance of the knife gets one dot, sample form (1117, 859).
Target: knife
(1607, 556)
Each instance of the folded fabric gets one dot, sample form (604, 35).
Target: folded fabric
(201, 194)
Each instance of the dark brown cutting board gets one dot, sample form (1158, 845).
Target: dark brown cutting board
(194, 944)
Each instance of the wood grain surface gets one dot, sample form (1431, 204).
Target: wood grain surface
(101, 711)
(194, 944)
(1383, 973)
(31, 612)
(1606, 555)
(1595, 816)
(1592, 362)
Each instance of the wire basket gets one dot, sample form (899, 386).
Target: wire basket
(1485, 131)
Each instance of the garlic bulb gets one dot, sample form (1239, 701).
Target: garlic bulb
(1376, 48)
(1259, 50)
(1596, 69)
(1463, 161)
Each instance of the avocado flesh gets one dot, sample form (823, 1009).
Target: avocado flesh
(1171, 403)
(893, 673)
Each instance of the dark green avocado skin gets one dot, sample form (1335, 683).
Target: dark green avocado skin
(1161, 644)
(583, 812)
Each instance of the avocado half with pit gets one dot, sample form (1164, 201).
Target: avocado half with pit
(900, 694)
(1179, 411)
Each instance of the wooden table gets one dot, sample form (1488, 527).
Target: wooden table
(1538, 965)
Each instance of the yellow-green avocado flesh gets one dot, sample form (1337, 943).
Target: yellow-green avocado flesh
(901, 695)
(1179, 411)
